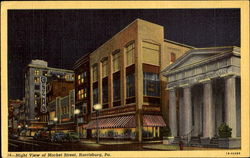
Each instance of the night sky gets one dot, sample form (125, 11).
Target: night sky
(63, 36)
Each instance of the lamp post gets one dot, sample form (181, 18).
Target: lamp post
(19, 128)
(76, 112)
(97, 107)
(55, 120)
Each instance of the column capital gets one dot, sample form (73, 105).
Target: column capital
(170, 89)
(206, 80)
(185, 85)
(229, 75)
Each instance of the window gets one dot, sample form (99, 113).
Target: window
(105, 68)
(105, 92)
(172, 57)
(116, 89)
(35, 102)
(151, 84)
(67, 77)
(82, 94)
(116, 62)
(95, 73)
(37, 79)
(130, 85)
(37, 72)
(37, 87)
(130, 54)
(84, 108)
(151, 53)
(95, 95)
(81, 78)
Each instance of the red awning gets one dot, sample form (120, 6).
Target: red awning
(113, 122)
(127, 122)
(153, 121)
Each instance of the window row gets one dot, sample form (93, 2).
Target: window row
(116, 61)
(151, 87)
(81, 78)
(82, 94)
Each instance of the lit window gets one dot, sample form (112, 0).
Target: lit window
(116, 62)
(37, 79)
(130, 54)
(37, 72)
(151, 84)
(81, 78)
(82, 93)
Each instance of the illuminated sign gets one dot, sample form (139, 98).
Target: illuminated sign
(43, 81)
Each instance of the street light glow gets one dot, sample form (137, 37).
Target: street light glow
(98, 106)
(77, 111)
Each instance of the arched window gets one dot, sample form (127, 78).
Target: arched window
(172, 57)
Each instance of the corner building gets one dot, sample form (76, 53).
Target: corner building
(125, 79)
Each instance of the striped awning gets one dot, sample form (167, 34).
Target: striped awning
(153, 121)
(126, 122)
(113, 122)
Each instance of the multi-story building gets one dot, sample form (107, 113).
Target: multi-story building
(36, 76)
(82, 93)
(61, 115)
(125, 79)
(15, 115)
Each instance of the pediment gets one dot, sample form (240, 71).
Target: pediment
(195, 56)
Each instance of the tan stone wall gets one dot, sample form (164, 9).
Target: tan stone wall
(179, 50)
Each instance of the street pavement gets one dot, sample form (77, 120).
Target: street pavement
(29, 144)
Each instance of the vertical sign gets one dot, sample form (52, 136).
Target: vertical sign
(43, 107)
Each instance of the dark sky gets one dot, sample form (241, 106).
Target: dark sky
(62, 36)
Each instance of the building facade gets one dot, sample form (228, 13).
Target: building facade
(82, 94)
(36, 76)
(204, 92)
(125, 79)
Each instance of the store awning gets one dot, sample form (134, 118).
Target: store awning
(153, 121)
(126, 122)
(114, 122)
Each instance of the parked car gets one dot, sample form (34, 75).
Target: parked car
(42, 135)
(14, 136)
(72, 137)
(58, 137)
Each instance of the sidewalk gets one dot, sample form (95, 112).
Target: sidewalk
(112, 142)
(176, 147)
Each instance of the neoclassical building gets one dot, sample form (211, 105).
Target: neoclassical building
(204, 91)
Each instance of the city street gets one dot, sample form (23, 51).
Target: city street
(29, 144)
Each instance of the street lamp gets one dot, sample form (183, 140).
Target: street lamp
(76, 112)
(97, 107)
(55, 120)
(19, 128)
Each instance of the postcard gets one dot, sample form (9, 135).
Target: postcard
(125, 79)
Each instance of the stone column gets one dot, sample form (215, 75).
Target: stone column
(208, 110)
(230, 104)
(172, 113)
(181, 117)
(187, 110)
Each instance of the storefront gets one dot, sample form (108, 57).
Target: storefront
(124, 127)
